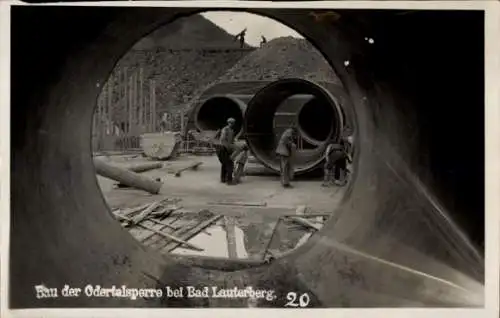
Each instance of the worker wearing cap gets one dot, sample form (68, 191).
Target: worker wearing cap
(286, 151)
(336, 157)
(226, 142)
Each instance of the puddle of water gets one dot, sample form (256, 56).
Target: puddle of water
(215, 244)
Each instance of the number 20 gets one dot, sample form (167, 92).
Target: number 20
(292, 297)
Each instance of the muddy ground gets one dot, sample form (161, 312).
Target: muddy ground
(201, 189)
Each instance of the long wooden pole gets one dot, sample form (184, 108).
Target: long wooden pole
(154, 106)
(150, 128)
(127, 177)
(169, 236)
(136, 103)
(130, 103)
(125, 99)
(94, 125)
(99, 120)
(141, 99)
(110, 104)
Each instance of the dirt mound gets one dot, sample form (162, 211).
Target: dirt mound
(180, 57)
(191, 32)
(282, 58)
(279, 58)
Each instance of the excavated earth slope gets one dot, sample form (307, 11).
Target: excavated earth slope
(180, 57)
(279, 58)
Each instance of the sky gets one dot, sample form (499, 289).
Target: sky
(235, 22)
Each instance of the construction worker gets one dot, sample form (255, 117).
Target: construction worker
(240, 159)
(286, 151)
(241, 37)
(263, 40)
(335, 164)
(164, 122)
(226, 142)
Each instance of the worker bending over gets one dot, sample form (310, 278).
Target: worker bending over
(286, 153)
(240, 160)
(226, 148)
(335, 167)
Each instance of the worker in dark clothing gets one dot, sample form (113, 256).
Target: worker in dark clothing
(286, 151)
(226, 142)
(263, 40)
(216, 143)
(241, 37)
(347, 143)
(336, 157)
(240, 159)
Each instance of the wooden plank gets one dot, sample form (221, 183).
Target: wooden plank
(160, 245)
(309, 215)
(238, 203)
(197, 229)
(301, 210)
(151, 235)
(192, 166)
(231, 238)
(165, 212)
(142, 235)
(266, 250)
(171, 237)
(130, 211)
(163, 223)
(144, 214)
(305, 223)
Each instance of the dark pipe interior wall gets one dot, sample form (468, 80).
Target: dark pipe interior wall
(412, 94)
(449, 91)
(259, 118)
(403, 89)
(214, 113)
(316, 120)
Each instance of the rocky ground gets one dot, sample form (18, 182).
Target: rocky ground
(281, 58)
(201, 190)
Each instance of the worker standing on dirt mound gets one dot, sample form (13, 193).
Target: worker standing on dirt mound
(226, 149)
(241, 37)
(286, 153)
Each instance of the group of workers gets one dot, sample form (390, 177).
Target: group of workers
(336, 157)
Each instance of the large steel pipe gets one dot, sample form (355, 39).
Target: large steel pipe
(309, 114)
(213, 113)
(259, 128)
(402, 235)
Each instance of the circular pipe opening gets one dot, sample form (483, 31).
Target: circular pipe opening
(316, 121)
(214, 112)
(53, 128)
(261, 111)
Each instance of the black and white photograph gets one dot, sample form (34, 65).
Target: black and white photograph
(200, 156)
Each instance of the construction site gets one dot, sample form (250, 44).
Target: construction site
(156, 118)
(115, 178)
